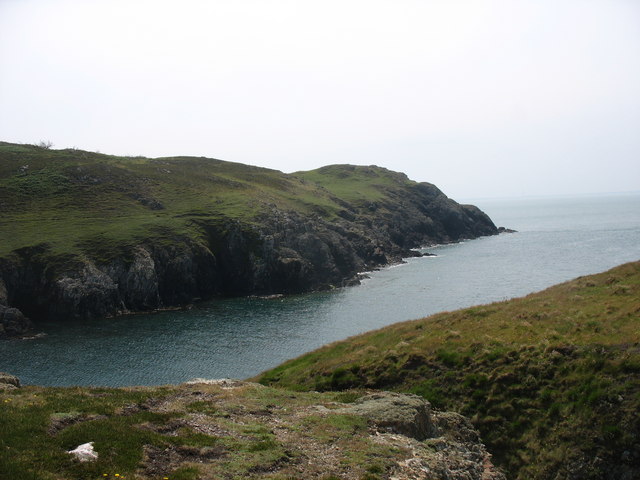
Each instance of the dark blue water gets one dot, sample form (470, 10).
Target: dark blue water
(558, 239)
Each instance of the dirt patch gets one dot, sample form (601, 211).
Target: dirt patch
(60, 421)
(161, 461)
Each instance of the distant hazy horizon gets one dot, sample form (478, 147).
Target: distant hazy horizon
(483, 98)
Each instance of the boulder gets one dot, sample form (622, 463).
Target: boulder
(455, 427)
(12, 322)
(443, 445)
(8, 381)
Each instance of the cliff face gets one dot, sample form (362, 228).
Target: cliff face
(130, 239)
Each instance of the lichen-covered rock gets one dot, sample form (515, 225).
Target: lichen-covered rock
(455, 427)
(245, 430)
(408, 415)
(8, 381)
(441, 459)
(444, 445)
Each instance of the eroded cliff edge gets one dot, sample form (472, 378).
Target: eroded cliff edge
(89, 235)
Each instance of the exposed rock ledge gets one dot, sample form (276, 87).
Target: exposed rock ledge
(437, 445)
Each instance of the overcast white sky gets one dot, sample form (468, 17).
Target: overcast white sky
(484, 98)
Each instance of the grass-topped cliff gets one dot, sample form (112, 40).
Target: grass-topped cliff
(551, 380)
(86, 234)
(85, 202)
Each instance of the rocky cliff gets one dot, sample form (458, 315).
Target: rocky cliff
(88, 235)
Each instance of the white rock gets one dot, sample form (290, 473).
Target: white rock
(84, 452)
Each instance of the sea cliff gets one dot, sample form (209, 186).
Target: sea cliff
(86, 235)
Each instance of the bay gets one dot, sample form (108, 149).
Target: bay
(558, 239)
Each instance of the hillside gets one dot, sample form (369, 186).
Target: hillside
(551, 380)
(84, 234)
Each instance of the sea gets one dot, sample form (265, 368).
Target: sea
(557, 239)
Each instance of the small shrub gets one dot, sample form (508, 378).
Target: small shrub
(185, 473)
(429, 390)
(343, 378)
(44, 144)
(450, 358)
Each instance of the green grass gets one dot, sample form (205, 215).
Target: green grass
(30, 450)
(357, 184)
(185, 432)
(80, 202)
(550, 379)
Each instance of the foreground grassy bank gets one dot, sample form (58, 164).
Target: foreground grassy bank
(232, 430)
(551, 380)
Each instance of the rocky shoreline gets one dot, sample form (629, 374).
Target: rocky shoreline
(291, 258)
(315, 233)
(286, 255)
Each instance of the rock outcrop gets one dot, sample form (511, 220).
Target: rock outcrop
(13, 322)
(444, 445)
(8, 381)
(408, 415)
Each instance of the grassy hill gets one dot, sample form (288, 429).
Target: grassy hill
(77, 201)
(551, 380)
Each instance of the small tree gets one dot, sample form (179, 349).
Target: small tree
(46, 144)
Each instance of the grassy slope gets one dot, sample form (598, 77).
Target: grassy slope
(84, 202)
(552, 380)
(76, 200)
(355, 184)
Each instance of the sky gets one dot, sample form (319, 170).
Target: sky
(484, 98)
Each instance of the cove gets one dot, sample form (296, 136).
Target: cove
(558, 239)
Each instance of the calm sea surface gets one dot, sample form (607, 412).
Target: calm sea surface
(558, 239)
